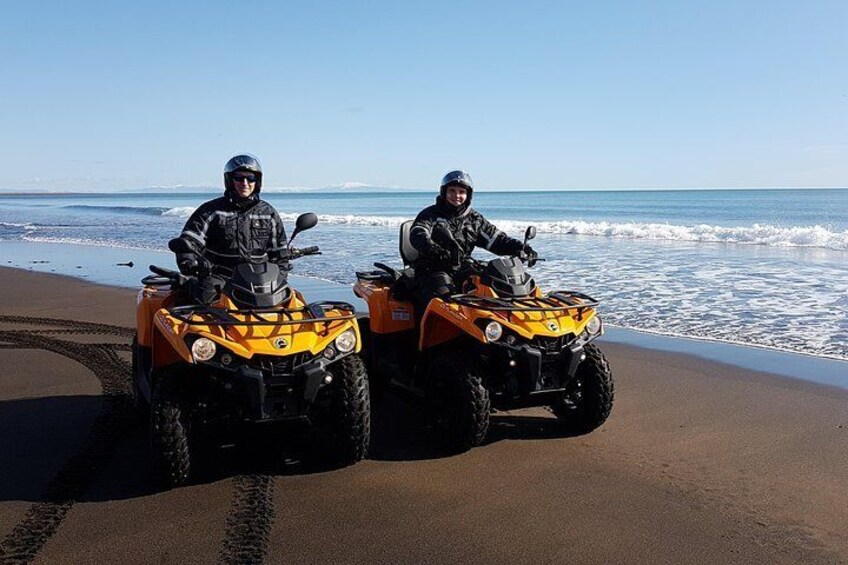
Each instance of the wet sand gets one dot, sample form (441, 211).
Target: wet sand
(699, 463)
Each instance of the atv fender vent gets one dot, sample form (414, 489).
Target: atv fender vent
(551, 345)
(282, 366)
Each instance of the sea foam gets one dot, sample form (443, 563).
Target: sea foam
(757, 234)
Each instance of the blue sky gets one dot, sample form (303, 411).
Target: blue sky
(543, 95)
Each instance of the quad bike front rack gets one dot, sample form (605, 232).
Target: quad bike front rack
(556, 301)
(315, 313)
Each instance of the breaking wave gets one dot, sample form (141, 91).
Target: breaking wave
(143, 210)
(757, 234)
(92, 241)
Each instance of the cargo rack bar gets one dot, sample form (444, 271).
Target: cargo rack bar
(224, 317)
(555, 301)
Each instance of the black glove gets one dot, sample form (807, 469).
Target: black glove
(279, 255)
(530, 255)
(187, 264)
(191, 264)
(439, 254)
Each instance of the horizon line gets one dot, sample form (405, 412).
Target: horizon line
(389, 189)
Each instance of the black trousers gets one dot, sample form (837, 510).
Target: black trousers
(429, 286)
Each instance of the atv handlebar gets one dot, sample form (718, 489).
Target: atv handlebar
(163, 277)
(281, 255)
(443, 237)
(527, 260)
(294, 253)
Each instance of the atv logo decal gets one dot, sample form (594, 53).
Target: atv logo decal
(456, 315)
(164, 321)
(280, 343)
(553, 326)
(400, 315)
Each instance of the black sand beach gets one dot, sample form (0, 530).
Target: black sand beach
(699, 462)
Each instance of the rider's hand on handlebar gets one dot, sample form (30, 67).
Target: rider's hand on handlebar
(529, 255)
(294, 252)
(194, 266)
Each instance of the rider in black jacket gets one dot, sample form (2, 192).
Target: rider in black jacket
(232, 229)
(437, 268)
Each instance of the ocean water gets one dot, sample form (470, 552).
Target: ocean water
(760, 267)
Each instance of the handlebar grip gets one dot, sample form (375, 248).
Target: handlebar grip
(153, 280)
(162, 271)
(309, 250)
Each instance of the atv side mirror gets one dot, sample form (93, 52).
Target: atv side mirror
(529, 234)
(304, 222)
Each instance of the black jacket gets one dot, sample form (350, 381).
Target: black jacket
(231, 230)
(469, 228)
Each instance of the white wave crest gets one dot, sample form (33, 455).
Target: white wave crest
(757, 234)
(92, 242)
(353, 220)
(26, 226)
(180, 211)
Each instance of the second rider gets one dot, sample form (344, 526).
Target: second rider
(437, 270)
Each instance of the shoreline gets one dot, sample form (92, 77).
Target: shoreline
(102, 267)
(777, 364)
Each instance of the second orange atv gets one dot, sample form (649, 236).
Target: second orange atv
(500, 344)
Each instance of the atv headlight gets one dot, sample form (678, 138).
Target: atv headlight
(346, 342)
(203, 349)
(594, 325)
(494, 331)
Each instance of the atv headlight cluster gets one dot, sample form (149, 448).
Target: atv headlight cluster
(203, 349)
(493, 331)
(346, 342)
(594, 326)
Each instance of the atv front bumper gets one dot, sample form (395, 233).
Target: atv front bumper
(264, 399)
(526, 374)
(266, 393)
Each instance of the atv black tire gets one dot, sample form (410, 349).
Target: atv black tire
(169, 435)
(459, 404)
(350, 411)
(588, 402)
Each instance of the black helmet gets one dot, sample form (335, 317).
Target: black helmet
(456, 178)
(459, 178)
(245, 162)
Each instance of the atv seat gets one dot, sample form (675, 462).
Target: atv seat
(407, 252)
(405, 283)
(402, 282)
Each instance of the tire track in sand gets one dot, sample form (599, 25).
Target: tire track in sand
(249, 520)
(43, 518)
(251, 513)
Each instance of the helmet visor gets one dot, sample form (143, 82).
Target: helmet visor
(458, 177)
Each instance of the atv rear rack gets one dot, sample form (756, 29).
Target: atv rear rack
(315, 313)
(556, 301)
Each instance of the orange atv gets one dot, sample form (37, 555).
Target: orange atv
(259, 354)
(502, 343)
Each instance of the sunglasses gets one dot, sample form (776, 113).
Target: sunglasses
(248, 178)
